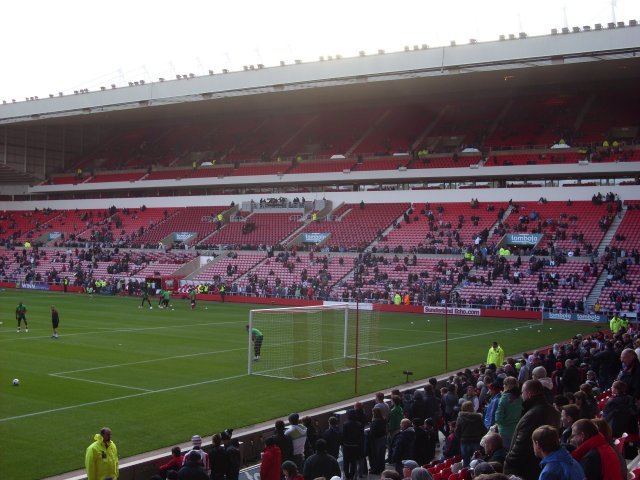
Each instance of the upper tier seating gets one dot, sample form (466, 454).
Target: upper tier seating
(547, 157)
(322, 166)
(116, 177)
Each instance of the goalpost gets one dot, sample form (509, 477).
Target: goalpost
(305, 342)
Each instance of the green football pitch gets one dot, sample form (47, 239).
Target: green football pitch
(157, 377)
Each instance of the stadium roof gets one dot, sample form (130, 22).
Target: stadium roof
(527, 62)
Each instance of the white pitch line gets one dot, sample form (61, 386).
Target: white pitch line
(162, 359)
(124, 397)
(100, 383)
(123, 330)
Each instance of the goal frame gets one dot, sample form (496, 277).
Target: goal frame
(345, 353)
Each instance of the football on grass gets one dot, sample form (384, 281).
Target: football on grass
(16, 382)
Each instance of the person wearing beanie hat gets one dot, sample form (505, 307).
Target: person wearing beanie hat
(196, 442)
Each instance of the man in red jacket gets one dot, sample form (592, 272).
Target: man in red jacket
(271, 460)
(599, 460)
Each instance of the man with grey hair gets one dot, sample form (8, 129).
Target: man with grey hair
(630, 372)
(540, 374)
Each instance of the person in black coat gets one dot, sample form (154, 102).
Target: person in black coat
(377, 441)
(193, 469)
(571, 377)
(352, 445)
(218, 459)
(424, 447)
(521, 459)
(432, 405)
(620, 411)
(321, 464)
(402, 445)
(630, 373)
(283, 441)
(333, 437)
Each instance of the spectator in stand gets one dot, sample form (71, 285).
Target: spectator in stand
(290, 471)
(270, 461)
(377, 441)
(320, 464)
(620, 411)
(521, 459)
(571, 377)
(494, 448)
(630, 372)
(432, 405)
(175, 463)
(420, 474)
(402, 446)
(540, 374)
(395, 416)
(599, 460)
(333, 436)
(605, 362)
(492, 405)
(193, 469)
(218, 459)
(556, 463)
(509, 410)
(450, 403)
(196, 442)
(469, 429)
(409, 466)
(352, 445)
(283, 441)
(451, 446)
(298, 435)
(569, 414)
(232, 452)
(382, 406)
(472, 396)
(312, 436)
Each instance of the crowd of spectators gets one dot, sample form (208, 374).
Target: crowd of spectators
(546, 414)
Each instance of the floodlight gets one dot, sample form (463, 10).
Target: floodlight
(576, 29)
(611, 25)
(512, 36)
(210, 72)
(179, 77)
(522, 34)
(131, 84)
(141, 82)
(620, 24)
(161, 79)
(113, 86)
(554, 31)
(473, 41)
(565, 30)
(633, 23)
(598, 26)
(224, 70)
(502, 37)
(103, 88)
(191, 75)
(60, 94)
(245, 68)
(51, 95)
(586, 28)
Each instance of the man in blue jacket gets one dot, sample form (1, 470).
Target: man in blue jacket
(557, 463)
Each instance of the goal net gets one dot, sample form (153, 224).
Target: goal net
(305, 342)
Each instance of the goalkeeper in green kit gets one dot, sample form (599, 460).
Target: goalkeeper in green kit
(256, 338)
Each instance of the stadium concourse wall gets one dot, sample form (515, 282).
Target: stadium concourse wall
(626, 192)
